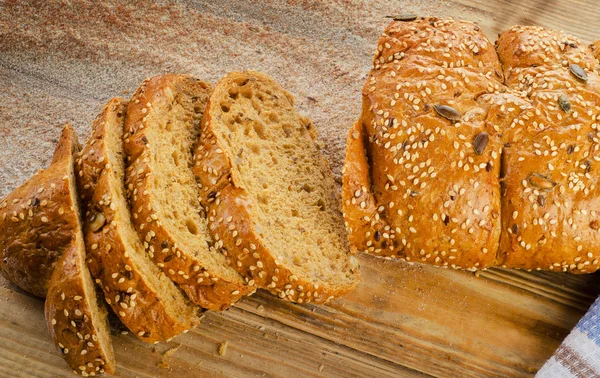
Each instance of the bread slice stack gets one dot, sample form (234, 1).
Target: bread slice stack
(161, 129)
(183, 197)
(136, 289)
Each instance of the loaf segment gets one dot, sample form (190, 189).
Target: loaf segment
(75, 315)
(272, 203)
(551, 197)
(37, 220)
(161, 128)
(421, 177)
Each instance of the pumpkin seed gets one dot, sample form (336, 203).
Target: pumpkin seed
(516, 229)
(403, 17)
(578, 72)
(564, 103)
(541, 200)
(97, 221)
(541, 182)
(480, 143)
(448, 112)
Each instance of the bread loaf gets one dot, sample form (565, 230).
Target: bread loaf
(145, 300)
(37, 221)
(75, 315)
(421, 180)
(161, 128)
(273, 205)
(551, 196)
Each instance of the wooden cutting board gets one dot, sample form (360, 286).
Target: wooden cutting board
(60, 61)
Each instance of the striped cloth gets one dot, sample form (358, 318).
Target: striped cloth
(579, 354)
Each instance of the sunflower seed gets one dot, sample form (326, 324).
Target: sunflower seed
(595, 225)
(448, 112)
(570, 149)
(480, 143)
(578, 72)
(97, 221)
(403, 17)
(564, 103)
(541, 182)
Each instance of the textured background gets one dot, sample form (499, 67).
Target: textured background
(61, 60)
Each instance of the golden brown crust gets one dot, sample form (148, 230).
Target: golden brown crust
(136, 301)
(37, 221)
(550, 212)
(415, 186)
(77, 329)
(230, 210)
(202, 286)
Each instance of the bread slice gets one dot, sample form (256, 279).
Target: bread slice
(37, 221)
(161, 128)
(274, 207)
(145, 300)
(76, 317)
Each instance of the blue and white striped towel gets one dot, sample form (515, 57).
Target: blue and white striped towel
(579, 354)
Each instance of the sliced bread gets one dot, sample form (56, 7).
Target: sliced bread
(274, 207)
(37, 221)
(161, 128)
(75, 315)
(146, 301)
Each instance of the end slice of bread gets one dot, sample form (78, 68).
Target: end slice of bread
(161, 128)
(274, 207)
(146, 301)
(76, 317)
(37, 221)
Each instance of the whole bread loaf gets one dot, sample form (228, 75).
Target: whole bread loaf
(161, 128)
(37, 220)
(144, 299)
(75, 315)
(273, 206)
(457, 163)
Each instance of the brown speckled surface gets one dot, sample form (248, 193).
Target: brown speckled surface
(61, 60)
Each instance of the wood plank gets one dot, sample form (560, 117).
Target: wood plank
(60, 61)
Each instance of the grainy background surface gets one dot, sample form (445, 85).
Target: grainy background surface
(61, 60)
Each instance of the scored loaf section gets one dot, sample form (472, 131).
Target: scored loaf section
(161, 128)
(145, 300)
(273, 206)
(551, 197)
(37, 220)
(421, 177)
(77, 320)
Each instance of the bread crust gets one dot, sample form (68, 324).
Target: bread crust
(203, 287)
(139, 305)
(37, 221)
(230, 217)
(551, 199)
(73, 325)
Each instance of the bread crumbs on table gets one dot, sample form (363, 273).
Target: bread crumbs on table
(223, 348)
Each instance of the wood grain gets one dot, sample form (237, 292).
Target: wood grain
(61, 60)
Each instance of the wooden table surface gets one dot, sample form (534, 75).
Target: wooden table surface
(60, 61)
